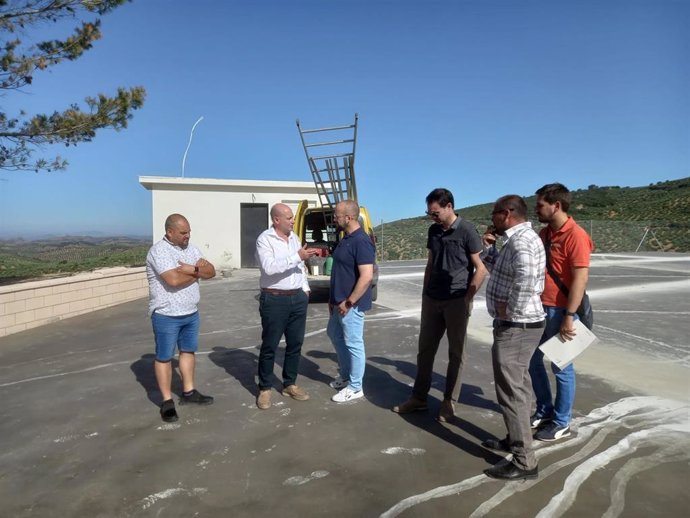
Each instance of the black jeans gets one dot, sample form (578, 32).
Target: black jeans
(281, 315)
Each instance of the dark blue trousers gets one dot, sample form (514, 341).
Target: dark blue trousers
(281, 315)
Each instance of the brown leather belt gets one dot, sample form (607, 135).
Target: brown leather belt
(285, 293)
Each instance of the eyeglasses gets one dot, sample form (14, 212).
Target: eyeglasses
(433, 213)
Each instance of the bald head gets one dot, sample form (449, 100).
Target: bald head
(349, 208)
(347, 216)
(282, 218)
(175, 220)
(279, 209)
(177, 230)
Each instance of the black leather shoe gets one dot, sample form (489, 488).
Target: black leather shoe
(511, 472)
(497, 444)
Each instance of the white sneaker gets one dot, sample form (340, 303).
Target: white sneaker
(338, 383)
(347, 394)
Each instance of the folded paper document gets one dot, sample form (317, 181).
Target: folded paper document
(564, 352)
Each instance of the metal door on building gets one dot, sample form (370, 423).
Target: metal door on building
(253, 221)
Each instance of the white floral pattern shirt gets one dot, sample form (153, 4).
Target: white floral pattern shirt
(167, 300)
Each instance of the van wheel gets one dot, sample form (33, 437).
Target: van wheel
(374, 293)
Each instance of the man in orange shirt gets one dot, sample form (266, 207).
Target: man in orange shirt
(568, 248)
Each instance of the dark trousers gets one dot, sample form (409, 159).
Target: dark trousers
(511, 354)
(281, 315)
(439, 316)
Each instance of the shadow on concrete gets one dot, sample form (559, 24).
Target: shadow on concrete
(384, 391)
(238, 363)
(312, 370)
(145, 375)
(243, 365)
(321, 355)
(424, 421)
(470, 395)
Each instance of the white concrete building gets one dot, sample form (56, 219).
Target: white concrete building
(226, 216)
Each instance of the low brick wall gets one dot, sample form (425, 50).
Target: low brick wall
(32, 304)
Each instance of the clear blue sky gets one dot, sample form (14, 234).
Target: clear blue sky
(484, 97)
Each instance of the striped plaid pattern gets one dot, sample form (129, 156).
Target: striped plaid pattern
(517, 277)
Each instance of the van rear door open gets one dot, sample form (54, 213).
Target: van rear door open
(298, 227)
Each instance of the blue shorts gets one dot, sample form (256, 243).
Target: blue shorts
(169, 332)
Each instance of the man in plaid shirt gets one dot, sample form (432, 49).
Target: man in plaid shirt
(513, 298)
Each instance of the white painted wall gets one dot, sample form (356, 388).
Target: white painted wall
(213, 209)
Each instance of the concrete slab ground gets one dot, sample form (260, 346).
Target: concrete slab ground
(81, 434)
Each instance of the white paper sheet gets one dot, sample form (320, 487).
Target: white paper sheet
(562, 353)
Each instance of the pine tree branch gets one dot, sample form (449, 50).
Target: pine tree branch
(21, 135)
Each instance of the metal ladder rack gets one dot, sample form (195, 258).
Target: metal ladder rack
(333, 172)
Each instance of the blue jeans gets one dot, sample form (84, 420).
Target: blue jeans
(347, 334)
(169, 332)
(561, 409)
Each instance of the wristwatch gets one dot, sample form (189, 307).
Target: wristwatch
(570, 313)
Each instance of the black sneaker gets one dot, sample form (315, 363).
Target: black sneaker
(168, 412)
(196, 397)
(538, 420)
(552, 432)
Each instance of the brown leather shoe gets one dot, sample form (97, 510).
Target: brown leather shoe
(295, 393)
(263, 400)
(411, 405)
(446, 413)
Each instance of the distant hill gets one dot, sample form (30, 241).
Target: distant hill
(619, 219)
(23, 259)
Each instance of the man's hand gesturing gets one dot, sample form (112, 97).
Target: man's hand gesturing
(305, 253)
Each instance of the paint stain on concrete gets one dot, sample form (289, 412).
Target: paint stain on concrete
(397, 450)
(73, 437)
(655, 426)
(222, 452)
(167, 493)
(65, 438)
(170, 426)
(299, 480)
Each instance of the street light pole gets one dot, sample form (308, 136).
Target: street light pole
(381, 239)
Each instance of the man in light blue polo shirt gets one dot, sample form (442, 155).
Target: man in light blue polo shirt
(173, 269)
(353, 271)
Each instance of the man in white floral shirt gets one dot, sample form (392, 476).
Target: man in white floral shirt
(173, 269)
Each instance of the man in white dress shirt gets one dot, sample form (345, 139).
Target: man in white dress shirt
(283, 302)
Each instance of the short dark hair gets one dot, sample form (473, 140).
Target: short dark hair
(513, 203)
(556, 192)
(441, 196)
